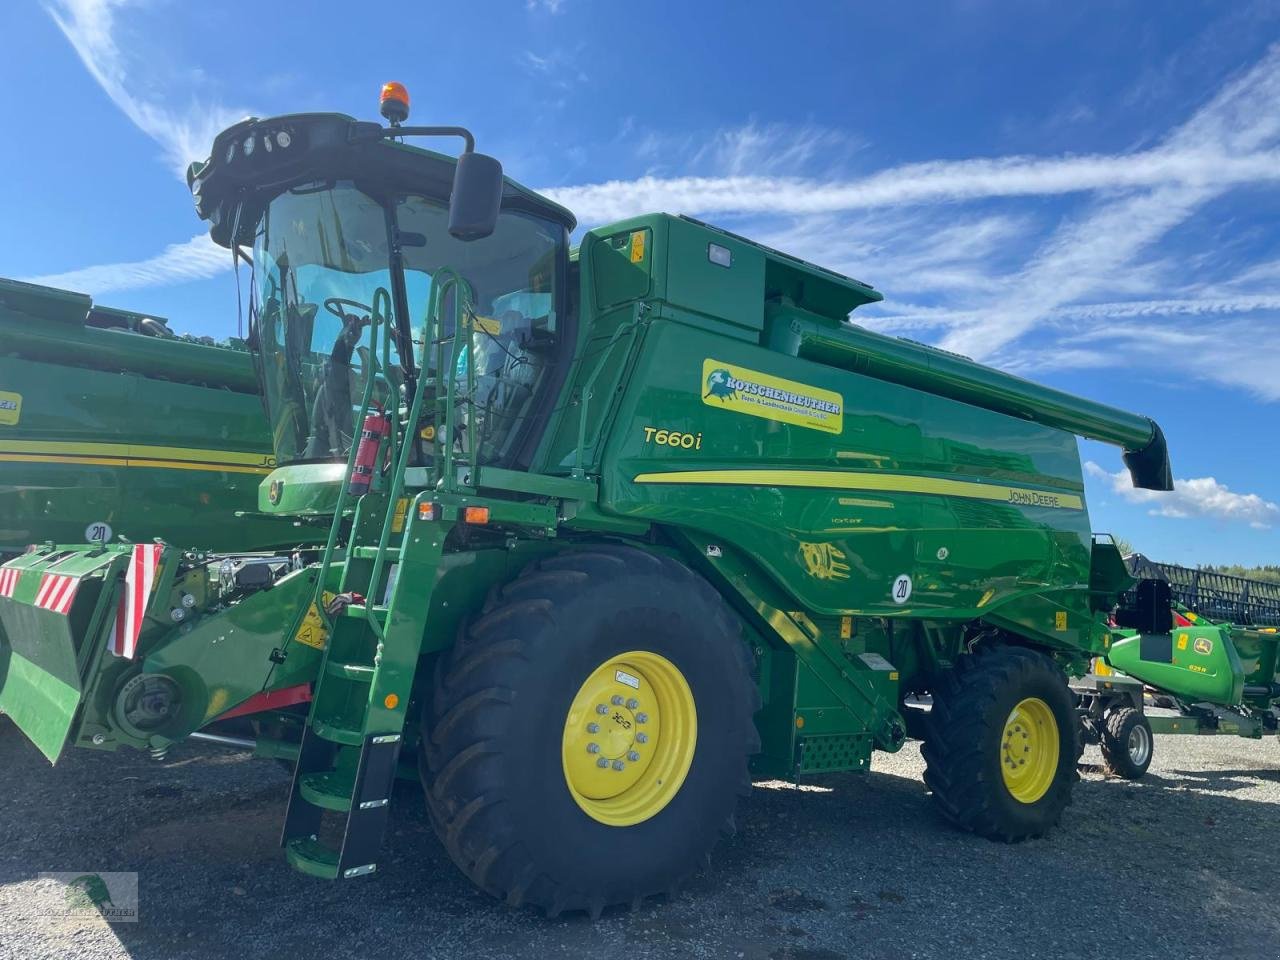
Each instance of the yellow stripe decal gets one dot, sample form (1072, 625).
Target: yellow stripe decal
(135, 455)
(133, 462)
(884, 482)
(139, 451)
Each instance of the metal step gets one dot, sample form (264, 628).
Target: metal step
(308, 855)
(371, 553)
(363, 612)
(330, 789)
(362, 672)
(337, 734)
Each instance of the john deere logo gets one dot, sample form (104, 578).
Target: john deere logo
(1204, 646)
(274, 491)
(720, 385)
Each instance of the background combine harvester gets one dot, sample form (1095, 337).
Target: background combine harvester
(1215, 660)
(112, 426)
(608, 532)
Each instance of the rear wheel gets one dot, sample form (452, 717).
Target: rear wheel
(1002, 744)
(589, 737)
(1127, 743)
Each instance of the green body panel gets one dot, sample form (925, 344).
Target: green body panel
(836, 519)
(1259, 653)
(302, 489)
(1202, 664)
(151, 436)
(220, 661)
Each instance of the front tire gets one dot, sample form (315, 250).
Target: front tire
(1002, 743)
(541, 797)
(1127, 743)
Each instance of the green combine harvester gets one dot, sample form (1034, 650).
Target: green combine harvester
(600, 535)
(112, 426)
(1213, 669)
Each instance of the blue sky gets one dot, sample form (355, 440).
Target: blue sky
(1082, 193)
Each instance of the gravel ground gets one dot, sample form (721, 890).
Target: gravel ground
(1180, 865)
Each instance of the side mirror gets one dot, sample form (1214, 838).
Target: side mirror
(477, 195)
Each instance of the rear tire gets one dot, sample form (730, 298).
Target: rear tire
(1127, 743)
(515, 790)
(1002, 744)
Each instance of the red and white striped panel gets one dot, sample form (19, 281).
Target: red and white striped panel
(134, 599)
(8, 581)
(56, 592)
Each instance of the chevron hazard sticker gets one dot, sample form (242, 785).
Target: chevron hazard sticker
(8, 581)
(134, 599)
(56, 592)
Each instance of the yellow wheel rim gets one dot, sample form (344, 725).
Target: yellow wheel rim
(629, 738)
(1029, 749)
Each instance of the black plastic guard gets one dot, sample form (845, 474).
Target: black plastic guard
(1149, 467)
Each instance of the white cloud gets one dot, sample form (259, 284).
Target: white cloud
(1198, 497)
(1092, 251)
(937, 182)
(195, 259)
(184, 135)
(535, 63)
(550, 6)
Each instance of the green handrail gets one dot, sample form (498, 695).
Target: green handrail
(401, 461)
(376, 320)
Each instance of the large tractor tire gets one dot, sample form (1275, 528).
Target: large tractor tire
(1002, 743)
(588, 739)
(1127, 743)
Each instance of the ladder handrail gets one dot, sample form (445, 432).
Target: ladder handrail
(401, 461)
(376, 320)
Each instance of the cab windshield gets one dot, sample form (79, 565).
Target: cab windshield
(323, 268)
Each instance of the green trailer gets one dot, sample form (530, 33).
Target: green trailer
(112, 426)
(1213, 668)
(603, 534)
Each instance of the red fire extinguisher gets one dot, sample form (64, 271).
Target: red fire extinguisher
(376, 426)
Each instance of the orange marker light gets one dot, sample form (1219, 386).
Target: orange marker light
(391, 701)
(476, 514)
(393, 103)
(426, 511)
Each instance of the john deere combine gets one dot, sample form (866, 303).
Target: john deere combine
(110, 425)
(606, 533)
(1211, 666)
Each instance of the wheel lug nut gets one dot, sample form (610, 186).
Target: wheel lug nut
(642, 737)
(632, 703)
(602, 762)
(619, 765)
(593, 748)
(593, 728)
(617, 700)
(633, 756)
(601, 709)
(642, 718)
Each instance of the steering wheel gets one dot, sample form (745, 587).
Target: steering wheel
(335, 304)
